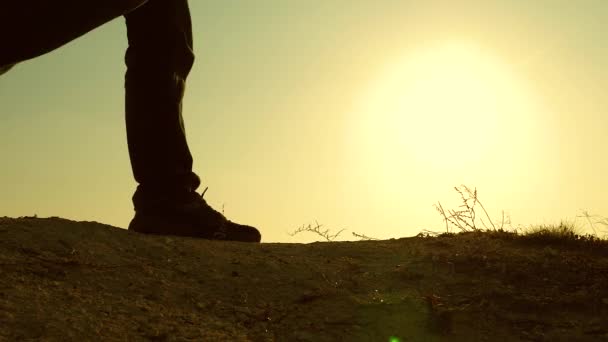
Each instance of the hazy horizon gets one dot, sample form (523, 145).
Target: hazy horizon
(356, 115)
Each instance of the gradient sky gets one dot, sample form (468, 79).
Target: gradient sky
(357, 114)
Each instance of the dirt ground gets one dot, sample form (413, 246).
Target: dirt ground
(62, 280)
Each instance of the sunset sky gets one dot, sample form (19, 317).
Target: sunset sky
(357, 114)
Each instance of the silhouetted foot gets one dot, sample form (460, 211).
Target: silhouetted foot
(191, 217)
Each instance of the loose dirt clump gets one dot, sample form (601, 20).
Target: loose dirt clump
(70, 281)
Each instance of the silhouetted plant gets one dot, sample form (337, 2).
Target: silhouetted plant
(594, 220)
(466, 217)
(363, 237)
(566, 233)
(563, 229)
(317, 230)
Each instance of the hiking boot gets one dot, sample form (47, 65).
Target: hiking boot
(192, 217)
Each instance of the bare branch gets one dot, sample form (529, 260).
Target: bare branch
(363, 237)
(465, 218)
(317, 230)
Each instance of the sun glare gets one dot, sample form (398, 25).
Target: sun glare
(442, 106)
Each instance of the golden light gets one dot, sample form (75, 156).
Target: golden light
(444, 106)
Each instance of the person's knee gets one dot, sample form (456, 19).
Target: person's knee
(5, 68)
(133, 4)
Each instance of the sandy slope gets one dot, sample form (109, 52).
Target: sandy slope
(62, 280)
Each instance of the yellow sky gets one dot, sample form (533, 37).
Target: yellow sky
(356, 114)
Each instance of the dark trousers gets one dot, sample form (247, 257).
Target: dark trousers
(158, 59)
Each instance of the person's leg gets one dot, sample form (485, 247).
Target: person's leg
(32, 28)
(158, 60)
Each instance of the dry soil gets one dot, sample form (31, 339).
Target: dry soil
(62, 280)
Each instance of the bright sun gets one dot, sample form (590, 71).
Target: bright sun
(443, 106)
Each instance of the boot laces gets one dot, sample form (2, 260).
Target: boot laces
(204, 203)
(221, 233)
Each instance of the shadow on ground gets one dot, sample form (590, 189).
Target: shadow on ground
(63, 280)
